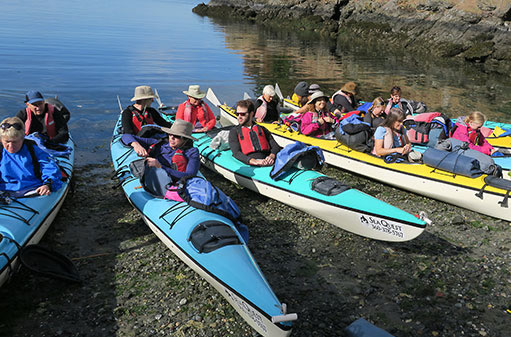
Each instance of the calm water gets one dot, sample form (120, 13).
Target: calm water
(88, 53)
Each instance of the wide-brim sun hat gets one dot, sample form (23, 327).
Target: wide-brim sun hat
(194, 91)
(143, 92)
(316, 95)
(180, 128)
(350, 87)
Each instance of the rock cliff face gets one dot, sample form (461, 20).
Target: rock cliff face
(467, 30)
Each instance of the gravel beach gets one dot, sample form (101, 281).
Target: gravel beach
(453, 280)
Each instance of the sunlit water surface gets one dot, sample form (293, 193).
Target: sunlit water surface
(87, 53)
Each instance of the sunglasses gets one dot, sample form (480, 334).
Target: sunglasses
(176, 136)
(5, 126)
(241, 113)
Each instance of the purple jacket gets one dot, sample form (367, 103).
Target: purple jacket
(164, 153)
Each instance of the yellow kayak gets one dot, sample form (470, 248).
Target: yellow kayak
(418, 178)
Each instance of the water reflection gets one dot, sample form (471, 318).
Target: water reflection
(88, 53)
(272, 55)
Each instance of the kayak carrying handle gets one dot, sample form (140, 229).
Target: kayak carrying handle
(424, 217)
(284, 318)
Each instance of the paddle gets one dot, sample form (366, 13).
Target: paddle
(119, 101)
(49, 263)
(210, 96)
(278, 92)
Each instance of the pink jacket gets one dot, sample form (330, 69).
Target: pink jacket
(462, 133)
(310, 126)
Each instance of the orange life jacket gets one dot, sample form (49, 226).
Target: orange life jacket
(49, 122)
(253, 140)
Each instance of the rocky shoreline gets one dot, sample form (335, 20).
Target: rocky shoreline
(453, 280)
(475, 32)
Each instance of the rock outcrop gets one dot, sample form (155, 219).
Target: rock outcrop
(472, 31)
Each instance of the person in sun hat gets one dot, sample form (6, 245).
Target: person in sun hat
(316, 122)
(24, 166)
(141, 113)
(251, 143)
(344, 99)
(267, 107)
(195, 110)
(43, 118)
(176, 156)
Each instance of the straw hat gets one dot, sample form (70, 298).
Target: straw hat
(316, 95)
(180, 128)
(350, 87)
(194, 91)
(143, 92)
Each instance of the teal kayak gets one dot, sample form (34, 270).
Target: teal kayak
(350, 210)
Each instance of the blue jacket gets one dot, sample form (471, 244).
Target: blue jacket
(17, 170)
(164, 154)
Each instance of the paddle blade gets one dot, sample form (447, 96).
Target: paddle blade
(160, 104)
(278, 92)
(119, 101)
(49, 263)
(210, 96)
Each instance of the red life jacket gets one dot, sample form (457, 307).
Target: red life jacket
(253, 140)
(139, 119)
(49, 122)
(178, 158)
(475, 136)
(180, 161)
(201, 111)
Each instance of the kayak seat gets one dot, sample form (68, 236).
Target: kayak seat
(211, 235)
(328, 186)
(497, 182)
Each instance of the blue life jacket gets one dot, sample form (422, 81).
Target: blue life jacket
(290, 154)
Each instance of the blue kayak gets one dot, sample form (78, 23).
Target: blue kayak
(230, 268)
(25, 219)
